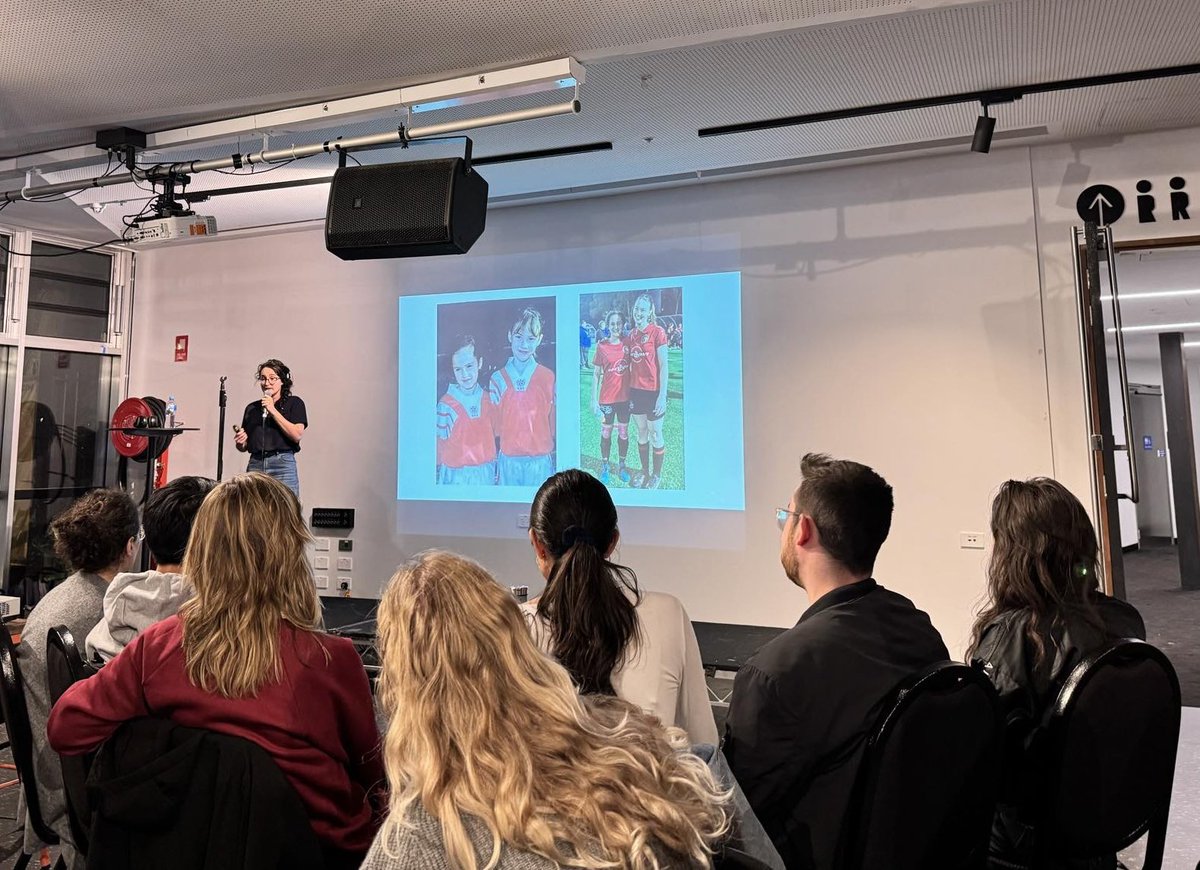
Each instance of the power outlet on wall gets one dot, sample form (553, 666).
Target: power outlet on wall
(344, 585)
(970, 540)
(522, 521)
(322, 581)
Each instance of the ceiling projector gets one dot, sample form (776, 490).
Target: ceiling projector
(165, 229)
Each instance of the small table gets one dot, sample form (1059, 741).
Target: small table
(725, 648)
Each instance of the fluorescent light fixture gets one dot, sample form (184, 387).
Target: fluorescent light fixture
(1156, 294)
(547, 75)
(1159, 327)
(517, 81)
(1191, 344)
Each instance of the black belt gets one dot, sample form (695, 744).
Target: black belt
(265, 454)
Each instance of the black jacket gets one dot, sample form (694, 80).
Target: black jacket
(167, 796)
(803, 706)
(1028, 689)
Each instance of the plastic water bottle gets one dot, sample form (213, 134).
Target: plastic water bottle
(172, 409)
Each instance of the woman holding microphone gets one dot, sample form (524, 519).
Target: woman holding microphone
(273, 426)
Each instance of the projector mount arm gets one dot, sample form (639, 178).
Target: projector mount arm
(405, 140)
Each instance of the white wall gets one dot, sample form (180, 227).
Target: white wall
(892, 313)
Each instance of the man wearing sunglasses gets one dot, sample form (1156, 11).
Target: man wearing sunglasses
(803, 705)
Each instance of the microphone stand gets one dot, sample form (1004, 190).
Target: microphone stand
(221, 431)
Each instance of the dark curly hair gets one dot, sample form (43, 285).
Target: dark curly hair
(93, 532)
(282, 372)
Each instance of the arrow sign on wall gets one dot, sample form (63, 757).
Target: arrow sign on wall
(1101, 204)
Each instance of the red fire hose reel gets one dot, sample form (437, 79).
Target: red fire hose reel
(139, 413)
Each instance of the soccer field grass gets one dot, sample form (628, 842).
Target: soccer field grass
(589, 430)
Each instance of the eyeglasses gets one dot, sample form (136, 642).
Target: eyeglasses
(781, 516)
(269, 380)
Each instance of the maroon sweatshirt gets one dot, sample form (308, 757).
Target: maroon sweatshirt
(318, 723)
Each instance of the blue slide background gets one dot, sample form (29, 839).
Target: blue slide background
(713, 458)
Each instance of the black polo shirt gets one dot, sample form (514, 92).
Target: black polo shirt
(803, 706)
(270, 438)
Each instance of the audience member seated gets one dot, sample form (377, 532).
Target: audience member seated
(1044, 614)
(97, 537)
(612, 638)
(245, 656)
(803, 706)
(135, 601)
(494, 760)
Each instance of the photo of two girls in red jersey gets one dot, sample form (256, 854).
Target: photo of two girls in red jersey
(498, 390)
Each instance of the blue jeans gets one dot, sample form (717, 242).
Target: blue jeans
(747, 834)
(281, 466)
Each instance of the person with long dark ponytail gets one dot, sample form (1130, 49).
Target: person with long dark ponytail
(612, 637)
(1045, 612)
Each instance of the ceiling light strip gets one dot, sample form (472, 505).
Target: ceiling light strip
(496, 84)
(295, 152)
(1160, 327)
(1154, 294)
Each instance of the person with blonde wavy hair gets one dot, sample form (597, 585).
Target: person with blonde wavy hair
(234, 661)
(495, 762)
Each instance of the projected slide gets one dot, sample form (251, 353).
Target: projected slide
(498, 389)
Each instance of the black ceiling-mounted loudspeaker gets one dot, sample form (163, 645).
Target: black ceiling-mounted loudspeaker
(416, 209)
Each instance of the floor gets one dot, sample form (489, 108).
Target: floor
(1171, 614)
(1183, 829)
(11, 833)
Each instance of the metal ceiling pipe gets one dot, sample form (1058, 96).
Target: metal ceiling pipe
(295, 152)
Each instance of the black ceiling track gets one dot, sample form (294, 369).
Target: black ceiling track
(990, 97)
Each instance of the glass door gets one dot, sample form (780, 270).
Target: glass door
(1109, 433)
(63, 451)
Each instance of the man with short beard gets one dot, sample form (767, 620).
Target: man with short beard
(804, 705)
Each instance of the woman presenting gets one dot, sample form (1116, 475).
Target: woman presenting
(273, 426)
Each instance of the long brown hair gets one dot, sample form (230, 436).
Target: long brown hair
(481, 723)
(592, 620)
(1044, 560)
(245, 558)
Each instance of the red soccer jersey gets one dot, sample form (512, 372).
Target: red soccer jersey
(466, 428)
(613, 360)
(525, 410)
(643, 356)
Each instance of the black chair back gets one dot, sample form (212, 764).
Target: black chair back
(20, 735)
(929, 780)
(1108, 755)
(64, 666)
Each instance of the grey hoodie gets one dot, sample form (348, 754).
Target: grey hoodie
(132, 603)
